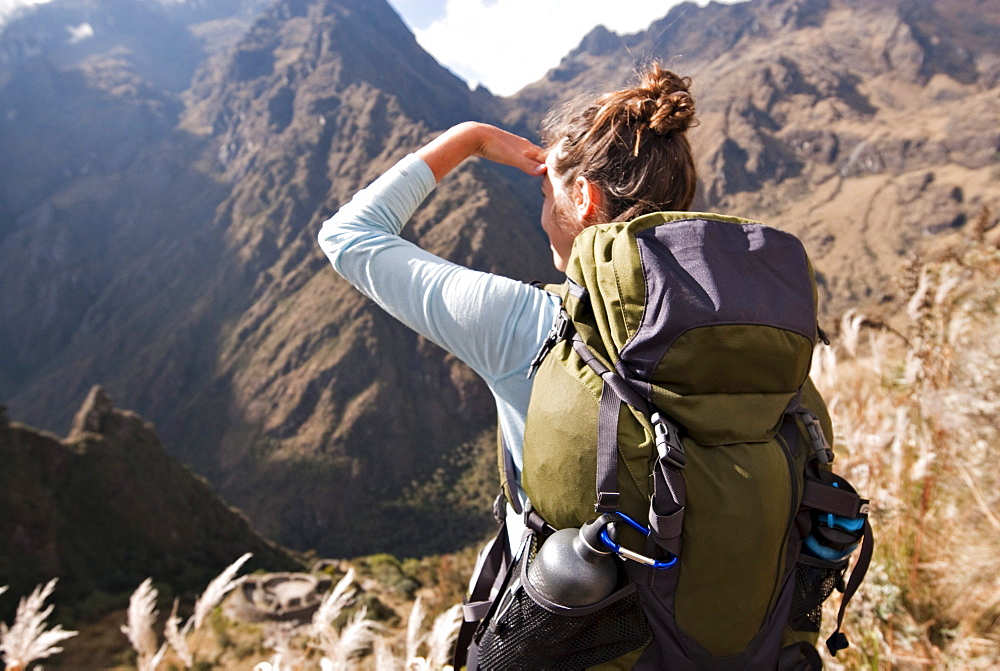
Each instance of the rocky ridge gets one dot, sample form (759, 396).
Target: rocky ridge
(865, 128)
(106, 507)
(263, 369)
(157, 233)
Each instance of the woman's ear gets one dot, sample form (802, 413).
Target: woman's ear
(588, 199)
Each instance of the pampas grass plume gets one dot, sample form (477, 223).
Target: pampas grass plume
(850, 329)
(333, 605)
(176, 638)
(28, 639)
(142, 615)
(443, 635)
(222, 585)
(356, 638)
(413, 626)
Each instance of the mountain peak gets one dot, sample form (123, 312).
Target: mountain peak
(92, 415)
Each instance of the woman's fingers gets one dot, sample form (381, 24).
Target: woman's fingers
(448, 150)
(503, 147)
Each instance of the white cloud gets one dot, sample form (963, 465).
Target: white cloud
(7, 7)
(80, 32)
(507, 44)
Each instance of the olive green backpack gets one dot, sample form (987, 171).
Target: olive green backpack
(674, 389)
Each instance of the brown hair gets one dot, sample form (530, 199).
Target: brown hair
(631, 144)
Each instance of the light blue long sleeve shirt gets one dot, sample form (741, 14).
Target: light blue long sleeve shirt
(492, 323)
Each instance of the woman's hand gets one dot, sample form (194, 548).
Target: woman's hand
(448, 150)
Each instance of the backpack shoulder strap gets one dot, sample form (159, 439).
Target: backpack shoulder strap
(492, 568)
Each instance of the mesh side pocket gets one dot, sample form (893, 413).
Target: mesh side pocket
(815, 580)
(523, 634)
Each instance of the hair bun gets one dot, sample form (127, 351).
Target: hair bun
(631, 143)
(673, 112)
(666, 99)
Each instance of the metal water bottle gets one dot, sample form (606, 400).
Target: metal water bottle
(573, 568)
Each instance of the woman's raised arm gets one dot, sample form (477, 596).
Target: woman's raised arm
(448, 150)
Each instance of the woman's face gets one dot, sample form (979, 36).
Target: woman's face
(560, 220)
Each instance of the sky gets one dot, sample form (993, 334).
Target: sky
(7, 6)
(506, 44)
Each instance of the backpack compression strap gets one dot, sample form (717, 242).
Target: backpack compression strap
(821, 492)
(837, 640)
(666, 510)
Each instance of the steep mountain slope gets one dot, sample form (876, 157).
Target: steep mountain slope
(93, 177)
(202, 298)
(313, 104)
(162, 181)
(866, 128)
(105, 508)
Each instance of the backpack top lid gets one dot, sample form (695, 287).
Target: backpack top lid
(712, 317)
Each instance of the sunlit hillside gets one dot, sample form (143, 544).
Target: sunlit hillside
(915, 400)
(158, 228)
(164, 170)
(915, 403)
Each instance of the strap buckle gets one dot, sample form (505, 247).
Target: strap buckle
(558, 333)
(816, 437)
(668, 441)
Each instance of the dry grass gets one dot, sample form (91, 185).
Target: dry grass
(181, 642)
(30, 638)
(356, 643)
(916, 413)
(142, 615)
(916, 408)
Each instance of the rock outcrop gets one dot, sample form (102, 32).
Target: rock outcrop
(106, 508)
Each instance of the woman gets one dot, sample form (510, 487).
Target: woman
(613, 159)
(619, 156)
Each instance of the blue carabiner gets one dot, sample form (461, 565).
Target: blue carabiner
(635, 556)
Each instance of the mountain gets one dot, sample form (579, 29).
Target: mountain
(314, 103)
(866, 128)
(164, 172)
(105, 508)
(186, 277)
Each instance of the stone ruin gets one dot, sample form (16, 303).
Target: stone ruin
(277, 597)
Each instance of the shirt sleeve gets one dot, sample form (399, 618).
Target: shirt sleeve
(492, 323)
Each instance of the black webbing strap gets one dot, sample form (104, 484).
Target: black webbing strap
(616, 389)
(666, 510)
(666, 507)
(576, 290)
(837, 640)
(820, 492)
(620, 385)
(494, 565)
(608, 496)
(829, 499)
(822, 449)
(537, 523)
